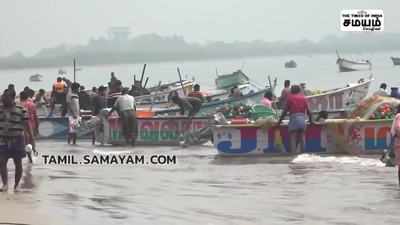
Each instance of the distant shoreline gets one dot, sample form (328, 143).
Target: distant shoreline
(124, 59)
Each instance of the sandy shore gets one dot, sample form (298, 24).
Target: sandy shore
(15, 209)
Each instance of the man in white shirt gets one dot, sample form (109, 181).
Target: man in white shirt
(382, 91)
(125, 106)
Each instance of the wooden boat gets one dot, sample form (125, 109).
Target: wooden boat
(290, 64)
(36, 78)
(151, 131)
(336, 136)
(251, 94)
(396, 61)
(364, 133)
(228, 81)
(159, 95)
(340, 99)
(154, 131)
(62, 72)
(346, 65)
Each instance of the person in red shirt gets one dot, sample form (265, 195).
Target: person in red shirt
(297, 107)
(196, 93)
(33, 120)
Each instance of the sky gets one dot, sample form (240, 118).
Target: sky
(30, 25)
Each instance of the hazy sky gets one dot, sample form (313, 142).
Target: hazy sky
(29, 25)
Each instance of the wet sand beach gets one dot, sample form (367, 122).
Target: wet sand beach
(203, 189)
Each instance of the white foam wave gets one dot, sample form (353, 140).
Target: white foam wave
(312, 158)
(99, 152)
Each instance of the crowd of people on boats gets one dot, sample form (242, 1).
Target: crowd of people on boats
(19, 117)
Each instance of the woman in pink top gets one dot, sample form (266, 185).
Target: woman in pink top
(267, 99)
(297, 107)
(395, 132)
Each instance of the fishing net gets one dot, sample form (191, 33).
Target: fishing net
(376, 107)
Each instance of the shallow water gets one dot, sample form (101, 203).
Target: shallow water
(204, 189)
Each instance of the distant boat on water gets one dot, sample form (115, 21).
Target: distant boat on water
(290, 64)
(36, 78)
(62, 72)
(346, 65)
(396, 61)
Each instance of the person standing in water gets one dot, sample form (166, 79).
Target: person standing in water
(33, 120)
(13, 125)
(395, 132)
(73, 112)
(297, 108)
(125, 105)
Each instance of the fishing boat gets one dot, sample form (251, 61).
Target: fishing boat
(62, 72)
(151, 130)
(36, 78)
(340, 99)
(227, 81)
(396, 61)
(251, 94)
(346, 65)
(362, 134)
(159, 95)
(290, 64)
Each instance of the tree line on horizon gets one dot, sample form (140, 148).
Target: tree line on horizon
(155, 48)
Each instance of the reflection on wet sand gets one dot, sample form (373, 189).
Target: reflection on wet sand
(204, 189)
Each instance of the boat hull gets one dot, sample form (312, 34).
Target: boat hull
(348, 65)
(396, 61)
(161, 97)
(227, 81)
(340, 99)
(211, 107)
(340, 137)
(151, 131)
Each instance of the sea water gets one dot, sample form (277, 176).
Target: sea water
(202, 188)
(318, 71)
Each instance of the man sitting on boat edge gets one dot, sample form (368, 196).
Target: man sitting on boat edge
(190, 104)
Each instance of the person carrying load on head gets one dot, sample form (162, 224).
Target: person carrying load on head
(125, 106)
(58, 95)
(190, 104)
